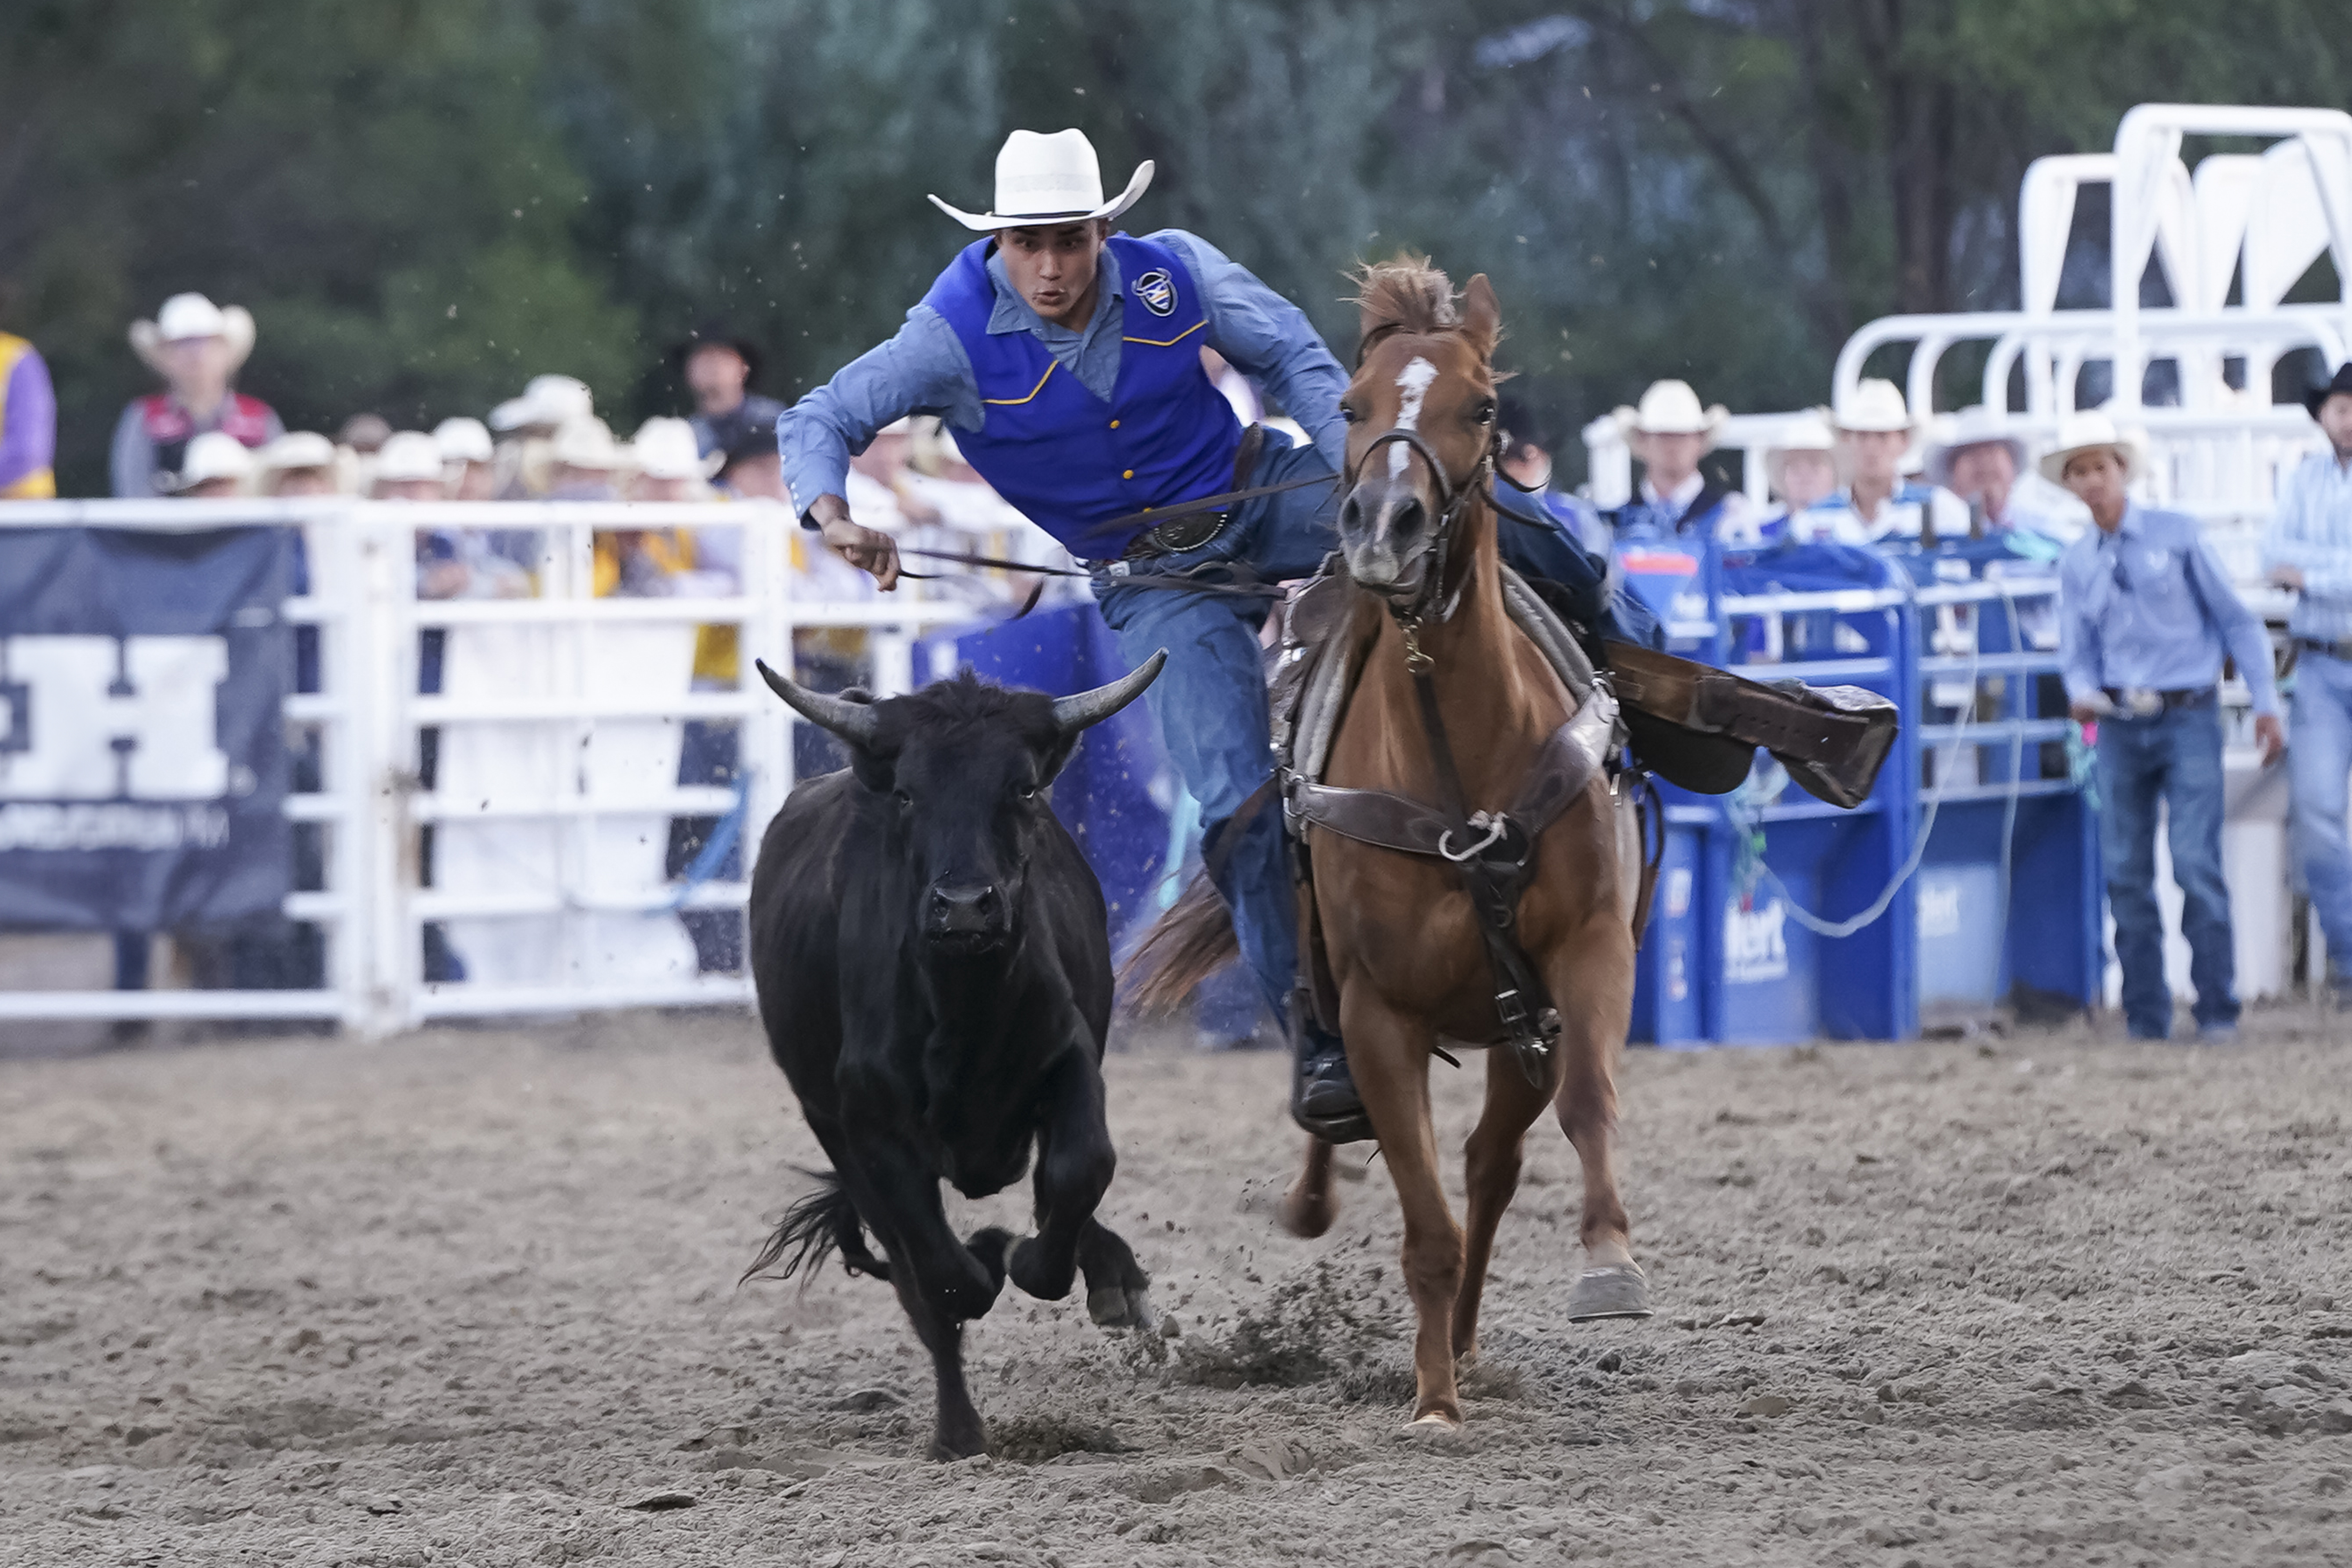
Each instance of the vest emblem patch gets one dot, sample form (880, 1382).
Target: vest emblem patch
(1158, 292)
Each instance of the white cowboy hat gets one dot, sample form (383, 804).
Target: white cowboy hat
(185, 316)
(665, 450)
(548, 400)
(1670, 408)
(408, 455)
(296, 450)
(215, 455)
(1809, 432)
(462, 440)
(2089, 428)
(1876, 407)
(585, 443)
(1043, 179)
(1975, 425)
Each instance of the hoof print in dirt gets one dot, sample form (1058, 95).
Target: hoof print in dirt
(662, 1501)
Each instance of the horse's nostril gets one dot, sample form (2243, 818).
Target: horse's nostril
(1351, 513)
(1408, 516)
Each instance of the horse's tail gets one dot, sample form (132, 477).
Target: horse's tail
(1191, 941)
(824, 1221)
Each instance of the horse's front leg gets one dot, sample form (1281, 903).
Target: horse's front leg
(1600, 975)
(1388, 1052)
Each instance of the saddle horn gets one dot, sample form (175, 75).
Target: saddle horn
(853, 721)
(1073, 714)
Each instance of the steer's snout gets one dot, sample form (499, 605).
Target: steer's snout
(964, 915)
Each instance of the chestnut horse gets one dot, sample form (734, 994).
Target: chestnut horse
(1402, 935)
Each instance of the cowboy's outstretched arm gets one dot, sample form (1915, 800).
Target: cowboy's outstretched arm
(922, 370)
(1266, 336)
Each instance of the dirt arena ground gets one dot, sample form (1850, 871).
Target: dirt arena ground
(469, 1297)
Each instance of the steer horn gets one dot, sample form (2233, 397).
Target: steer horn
(853, 721)
(1072, 714)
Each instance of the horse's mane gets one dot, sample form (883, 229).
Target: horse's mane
(1406, 292)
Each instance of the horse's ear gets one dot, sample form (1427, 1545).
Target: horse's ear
(1482, 317)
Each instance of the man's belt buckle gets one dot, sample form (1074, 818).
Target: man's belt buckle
(2143, 702)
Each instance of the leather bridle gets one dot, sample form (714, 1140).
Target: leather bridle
(1451, 500)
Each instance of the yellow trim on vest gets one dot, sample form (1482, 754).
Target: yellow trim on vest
(1170, 343)
(1014, 402)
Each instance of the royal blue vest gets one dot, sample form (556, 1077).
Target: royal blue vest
(1069, 461)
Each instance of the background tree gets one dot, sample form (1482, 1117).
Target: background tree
(426, 201)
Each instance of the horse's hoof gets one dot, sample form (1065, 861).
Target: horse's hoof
(1436, 1424)
(1618, 1290)
(1307, 1218)
(1113, 1307)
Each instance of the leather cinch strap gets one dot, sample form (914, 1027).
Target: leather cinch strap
(1569, 759)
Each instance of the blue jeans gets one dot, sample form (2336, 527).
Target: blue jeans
(2175, 757)
(1210, 699)
(2318, 763)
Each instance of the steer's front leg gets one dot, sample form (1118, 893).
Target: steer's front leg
(1075, 1161)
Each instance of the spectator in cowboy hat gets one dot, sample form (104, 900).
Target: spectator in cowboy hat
(754, 471)
(465, 459)
(1876, 432)
(1978, 456)
(364, 434)
(525, 427)
(2308, 551)
(408, 467)
(300, 463)
(2147, 616)
(1801, 470)
(217, 468)
(720, 366)
(670, 465)
(1667, 540)
(583, 461)
(196, 347)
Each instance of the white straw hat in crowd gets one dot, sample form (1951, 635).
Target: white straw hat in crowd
(1876, 407)
(185, 316)
(1809, 432)
(215, 455)
(665, 449)
(585, 443)
(546, 400)
(1670, 408)
(1975, 425)
(2089, 428)
(296, 450)
(409, 455)
(462, 440)
(1043, 179)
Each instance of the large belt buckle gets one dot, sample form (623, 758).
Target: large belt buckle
(2143, 702)
(1115, 569)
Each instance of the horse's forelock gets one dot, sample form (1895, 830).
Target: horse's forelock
(1406, 292)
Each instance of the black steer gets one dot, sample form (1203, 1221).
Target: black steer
(934, 973)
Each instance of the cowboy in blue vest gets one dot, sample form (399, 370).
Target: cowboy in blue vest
(1066, 358)
(1668, 538)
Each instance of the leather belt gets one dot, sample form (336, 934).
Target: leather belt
(2183, 697)
(2341, 649)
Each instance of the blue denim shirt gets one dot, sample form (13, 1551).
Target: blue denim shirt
(2149, 605)
(924, 370)
(2312, 531)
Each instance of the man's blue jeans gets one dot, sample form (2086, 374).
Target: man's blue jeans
(2175, 757)
(1211, 698)
(2318, 763)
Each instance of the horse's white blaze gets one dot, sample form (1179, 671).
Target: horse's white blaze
(1414, 381)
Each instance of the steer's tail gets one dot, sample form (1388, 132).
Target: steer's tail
(824, 1221)
(1191, 941)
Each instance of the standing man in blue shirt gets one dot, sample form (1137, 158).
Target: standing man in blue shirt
(2146, 616)
(2310, 551)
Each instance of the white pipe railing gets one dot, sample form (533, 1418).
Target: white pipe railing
(369, 712)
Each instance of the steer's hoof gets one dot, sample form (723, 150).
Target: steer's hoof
(1618, 1290)
(1114, 1308)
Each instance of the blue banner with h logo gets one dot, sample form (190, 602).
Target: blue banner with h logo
(142, 753)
